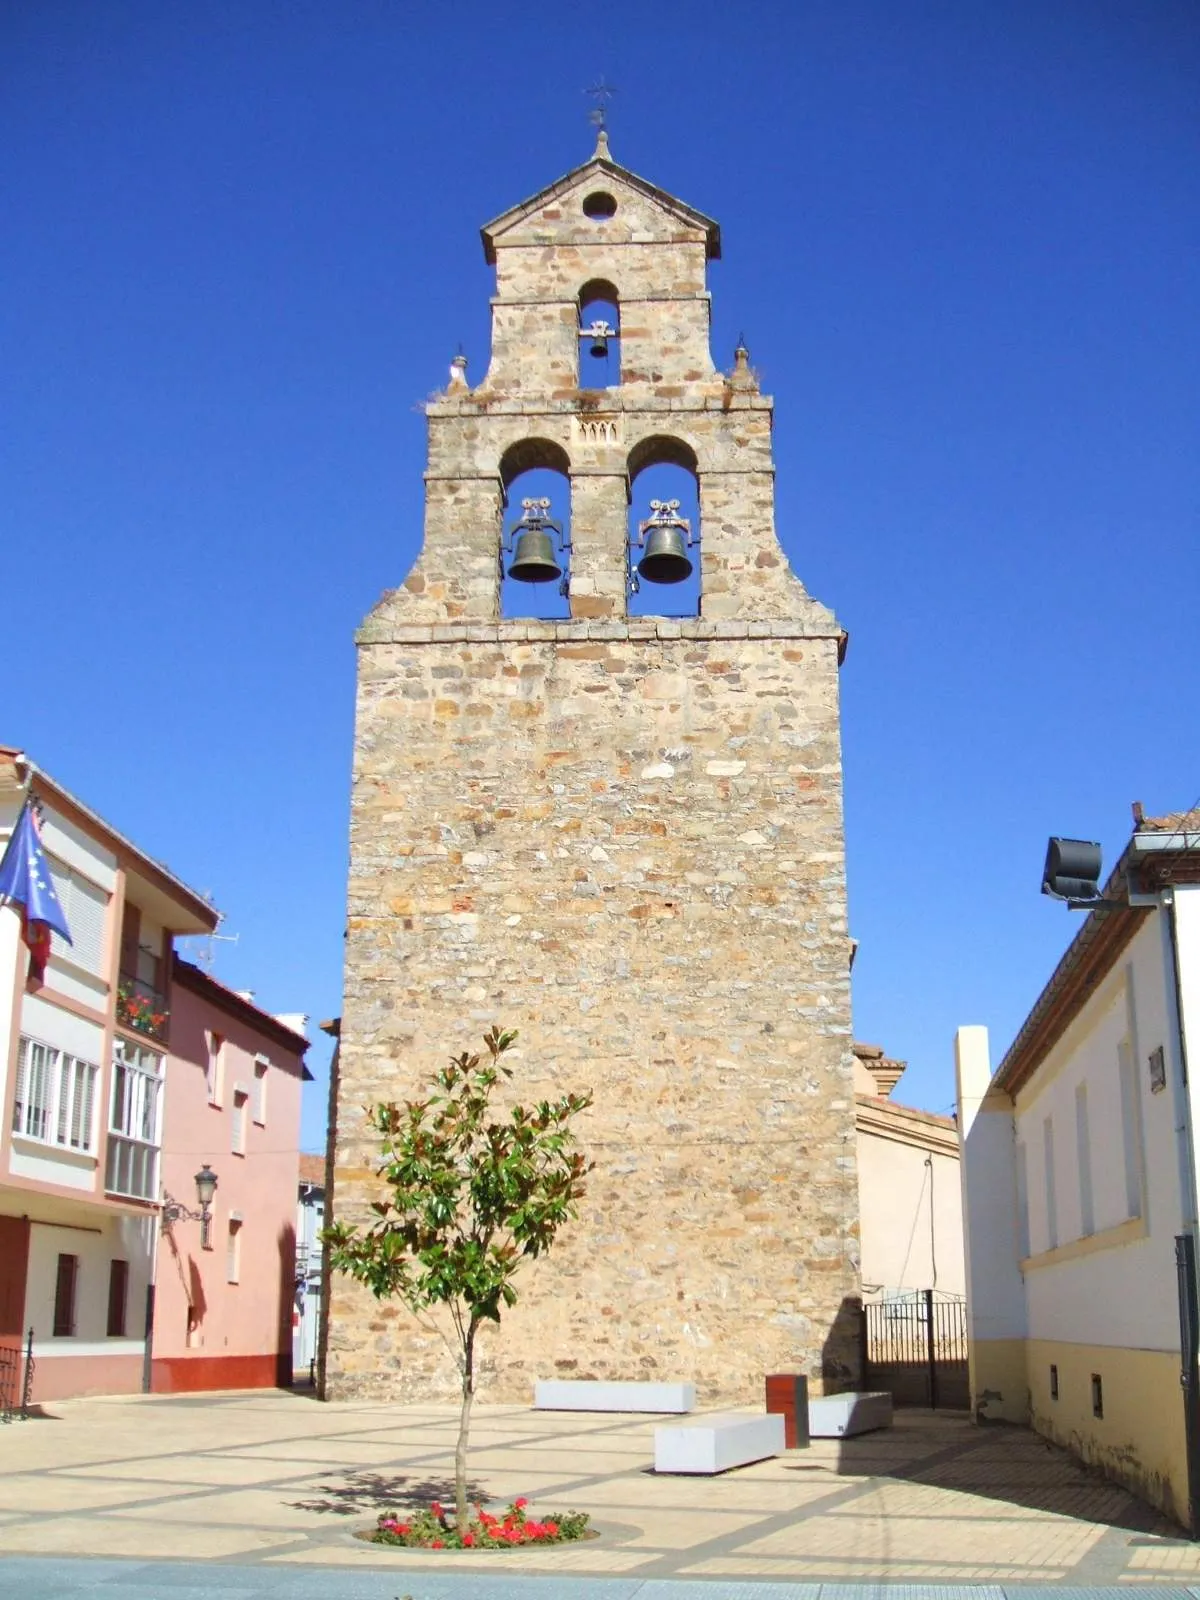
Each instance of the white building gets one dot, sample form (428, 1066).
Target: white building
(82, 1075)
(1080, 1182)
(310, 1219)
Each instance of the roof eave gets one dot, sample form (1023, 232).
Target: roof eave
(1153, 859)
(162, 877)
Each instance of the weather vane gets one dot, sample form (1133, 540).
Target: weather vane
(601, 93)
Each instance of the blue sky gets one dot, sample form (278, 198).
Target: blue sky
(241, 245)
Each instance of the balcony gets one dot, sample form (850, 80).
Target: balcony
(131, 1170)
(134, 1122)
(142, 1008)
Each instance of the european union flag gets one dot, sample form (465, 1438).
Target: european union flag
(25, 881)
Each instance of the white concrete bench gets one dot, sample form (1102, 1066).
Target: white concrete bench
(837, 1416)
(716, 1443)
(594, 1394)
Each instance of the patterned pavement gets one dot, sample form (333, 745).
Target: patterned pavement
(259, 1494)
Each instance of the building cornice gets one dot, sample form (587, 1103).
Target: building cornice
(906, 1125)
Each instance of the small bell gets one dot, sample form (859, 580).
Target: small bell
(533, 559)
(665, 537)
(598, 333)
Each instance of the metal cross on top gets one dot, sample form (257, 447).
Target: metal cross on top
(601, 93)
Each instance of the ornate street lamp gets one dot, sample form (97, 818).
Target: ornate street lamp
(175, 1211)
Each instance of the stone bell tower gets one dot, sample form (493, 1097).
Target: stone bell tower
(621, 835)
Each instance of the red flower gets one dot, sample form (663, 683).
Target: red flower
(436, 1508)
(521, 1503)
(468, 1540)
(551, 1529)
(438, 1544)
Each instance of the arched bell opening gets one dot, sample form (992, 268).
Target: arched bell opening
(599, 335)
(664, 529)
(535, 547)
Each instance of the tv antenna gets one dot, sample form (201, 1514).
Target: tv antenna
(205, 954)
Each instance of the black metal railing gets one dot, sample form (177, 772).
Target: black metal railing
(915, 1347)
(16, 1379)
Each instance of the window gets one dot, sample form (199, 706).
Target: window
(233, 1251)
(1131, 1128)
(85, 906)
(665, 529)
(215, 1070)
(64, 1296)
(55, 1098)
(1158, 1070)
(599, 335)
(134, 1121)
(1097, 1395)
(241, 1101)
(259, 1104)
(1087, 1210)
(1053, 1382)
(118, 1295)
(1051, 1196)
(1022, 1204)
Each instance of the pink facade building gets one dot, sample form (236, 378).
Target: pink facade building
(225, 1291)
(108, 1103)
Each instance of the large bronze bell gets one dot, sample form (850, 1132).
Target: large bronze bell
(666, 559)
(533, 558)
(665, 537)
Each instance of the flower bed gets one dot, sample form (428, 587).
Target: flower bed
(435, 1529)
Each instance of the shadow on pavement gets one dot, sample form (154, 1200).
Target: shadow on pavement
(997, 1461)
(360, 1492)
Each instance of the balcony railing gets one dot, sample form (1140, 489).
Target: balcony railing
(142, 1008)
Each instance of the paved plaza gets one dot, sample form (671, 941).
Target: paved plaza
(120, 1497)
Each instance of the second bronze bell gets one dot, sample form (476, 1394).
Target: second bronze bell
(533, 558)
(665, 539)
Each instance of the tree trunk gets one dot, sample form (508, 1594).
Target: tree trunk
(464, 1424)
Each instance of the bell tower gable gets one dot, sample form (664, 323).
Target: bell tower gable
(600, 202)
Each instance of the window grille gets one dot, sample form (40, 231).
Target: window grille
(55, 1097)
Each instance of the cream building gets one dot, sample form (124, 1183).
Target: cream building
(909, 1188)
(1079, 1185)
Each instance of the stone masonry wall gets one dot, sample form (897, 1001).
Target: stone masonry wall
(626, 841)
(622, 837)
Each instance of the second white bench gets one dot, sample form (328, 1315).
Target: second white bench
(595, 1394)
(718, 1442)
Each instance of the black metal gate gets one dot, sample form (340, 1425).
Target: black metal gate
(915, 1347)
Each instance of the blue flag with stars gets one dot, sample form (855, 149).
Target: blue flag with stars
(25, 881)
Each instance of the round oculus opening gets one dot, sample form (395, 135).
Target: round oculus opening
(599, 206)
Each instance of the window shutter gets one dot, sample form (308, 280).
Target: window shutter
(64, 1297)
(118, 1295)
(85, 906)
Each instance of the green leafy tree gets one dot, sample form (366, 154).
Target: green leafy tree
(472, 1195)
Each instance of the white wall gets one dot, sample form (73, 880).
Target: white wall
(910, 1206)
(1121, 1295)
(995, 1292)
(96, 1244)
